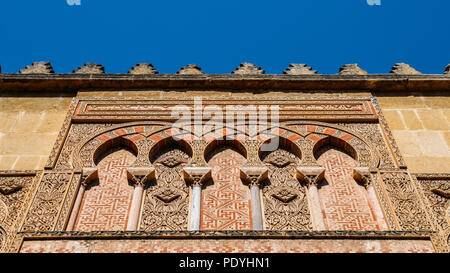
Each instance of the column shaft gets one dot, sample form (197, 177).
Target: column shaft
(256, 208)
(76, 208)
(135, 210)
(316, 208)
(376, 207)
(195, 207)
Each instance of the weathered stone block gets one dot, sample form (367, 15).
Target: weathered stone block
(394, 119)
(411, 120)
(431, 120)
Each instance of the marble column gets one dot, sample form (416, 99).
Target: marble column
(139, 176)
(255, 175)
(195, 207)
(312, 176)
(197, 176)
(88, 174)
(135, 209)
(76, 207)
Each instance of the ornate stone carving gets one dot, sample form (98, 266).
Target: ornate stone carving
(404, 69)
(362, 176)
(141, 175)
(190, 69)
(299, 69)
(437, 193)
(341, 109)
(47, 202)
(248, 69)
(143, 69)
(2, 238)
(90, 68)
(351, 69)
(285, 199)
(405, 201)
(38, 68)
(197, 175)
(446, 70)
(166, 201)
(9, 187)
(254, 175)
(14, 195)
(310, 175)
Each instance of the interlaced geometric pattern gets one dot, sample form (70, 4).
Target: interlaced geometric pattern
(344, 203)
(226, 203)
(106, 206)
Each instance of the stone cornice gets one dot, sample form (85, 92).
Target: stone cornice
(420, 235)
(317, 83)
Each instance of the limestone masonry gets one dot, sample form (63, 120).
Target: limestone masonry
(91, 162)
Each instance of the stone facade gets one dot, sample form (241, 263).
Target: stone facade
(362, 164)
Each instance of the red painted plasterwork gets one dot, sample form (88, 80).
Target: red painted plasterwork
(226, 203)
(344, 203)
(106, 206)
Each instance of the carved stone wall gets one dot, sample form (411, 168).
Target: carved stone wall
(166, 203)
(285, 199)
(15, 192)
(159, 162)
(436, 190)
(106, 202)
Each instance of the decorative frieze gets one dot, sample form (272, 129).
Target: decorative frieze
(47, 202)
(293, 108)
(405, 201)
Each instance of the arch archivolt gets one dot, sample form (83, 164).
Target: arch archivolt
(304, 136)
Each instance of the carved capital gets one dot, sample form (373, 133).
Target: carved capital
(88, 175)
(254, 175)
(362, 176)
(197, 175)
(310, 175)
(140, 176)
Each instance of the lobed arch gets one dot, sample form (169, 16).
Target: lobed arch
(165, 144)
(85, 153)
(114, 144)
(336, 143)
(215, 144)
(306, 135)
(284, 143)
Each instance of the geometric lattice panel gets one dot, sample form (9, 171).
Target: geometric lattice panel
(344, 203)
(106, 206)
(226, 205)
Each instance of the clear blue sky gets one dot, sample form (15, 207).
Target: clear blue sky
(218, 35)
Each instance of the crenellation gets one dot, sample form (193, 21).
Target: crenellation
(38, 68)
(404, 69)
(90, 68)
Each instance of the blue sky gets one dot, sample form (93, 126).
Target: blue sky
(218, 35)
